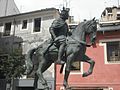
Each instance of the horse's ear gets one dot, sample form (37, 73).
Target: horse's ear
(93, 19)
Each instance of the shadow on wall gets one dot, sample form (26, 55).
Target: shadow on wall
(9, 43)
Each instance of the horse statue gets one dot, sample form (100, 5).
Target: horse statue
(75, 50)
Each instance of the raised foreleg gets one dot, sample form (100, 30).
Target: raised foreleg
(91, 62)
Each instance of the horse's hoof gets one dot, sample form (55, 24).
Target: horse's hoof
(66, 86)
(86, 74)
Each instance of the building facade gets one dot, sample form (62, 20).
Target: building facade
(8, 7)
(106, 54)
(26, 31)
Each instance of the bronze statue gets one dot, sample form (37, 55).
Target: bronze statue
(59, 31)
(75, 50)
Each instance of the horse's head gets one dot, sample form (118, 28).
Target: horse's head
(91, 29)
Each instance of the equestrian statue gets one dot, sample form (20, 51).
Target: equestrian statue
(64, 47)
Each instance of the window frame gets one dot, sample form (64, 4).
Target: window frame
(34, 25)
(4, 29)
(104, 44)
(22, 22)
(113, 55)
(118, 17)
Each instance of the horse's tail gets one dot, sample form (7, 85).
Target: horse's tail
(61, 69)
(29, 62)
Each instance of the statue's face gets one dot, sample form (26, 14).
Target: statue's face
(65, 15)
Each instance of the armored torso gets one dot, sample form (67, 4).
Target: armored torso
(60, 27)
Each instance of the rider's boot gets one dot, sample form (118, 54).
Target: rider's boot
(60, 54)
(61, 62)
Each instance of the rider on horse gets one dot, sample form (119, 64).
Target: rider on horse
(59, 30)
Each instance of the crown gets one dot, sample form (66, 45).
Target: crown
(65, 9)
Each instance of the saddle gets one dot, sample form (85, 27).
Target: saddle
(57, 42)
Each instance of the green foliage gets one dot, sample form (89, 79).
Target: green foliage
(13, 65)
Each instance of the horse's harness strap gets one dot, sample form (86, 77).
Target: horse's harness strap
(76, 42)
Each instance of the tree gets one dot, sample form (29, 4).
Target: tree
(12, 65)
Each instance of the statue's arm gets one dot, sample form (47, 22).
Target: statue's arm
(51, 30)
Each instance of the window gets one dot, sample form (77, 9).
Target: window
(118, 16)
(72, 27)
(37, 24)
(76, 66)
(113, 51)
(24, 24)
(7, 29)
(110, 14)
(109, 10)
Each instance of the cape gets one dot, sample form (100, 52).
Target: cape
(58, 23)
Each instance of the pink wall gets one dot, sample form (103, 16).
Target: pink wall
(104, 75)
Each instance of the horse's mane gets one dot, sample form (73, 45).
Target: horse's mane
(83, 24)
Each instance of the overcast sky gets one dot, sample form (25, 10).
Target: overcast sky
(80, 9)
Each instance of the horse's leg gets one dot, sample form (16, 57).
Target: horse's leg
(43, 66)
(35, 82)
(91, 62)
(40, 75)
(29, 63)
(67, 70)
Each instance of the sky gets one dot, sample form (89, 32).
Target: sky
(80, 9)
